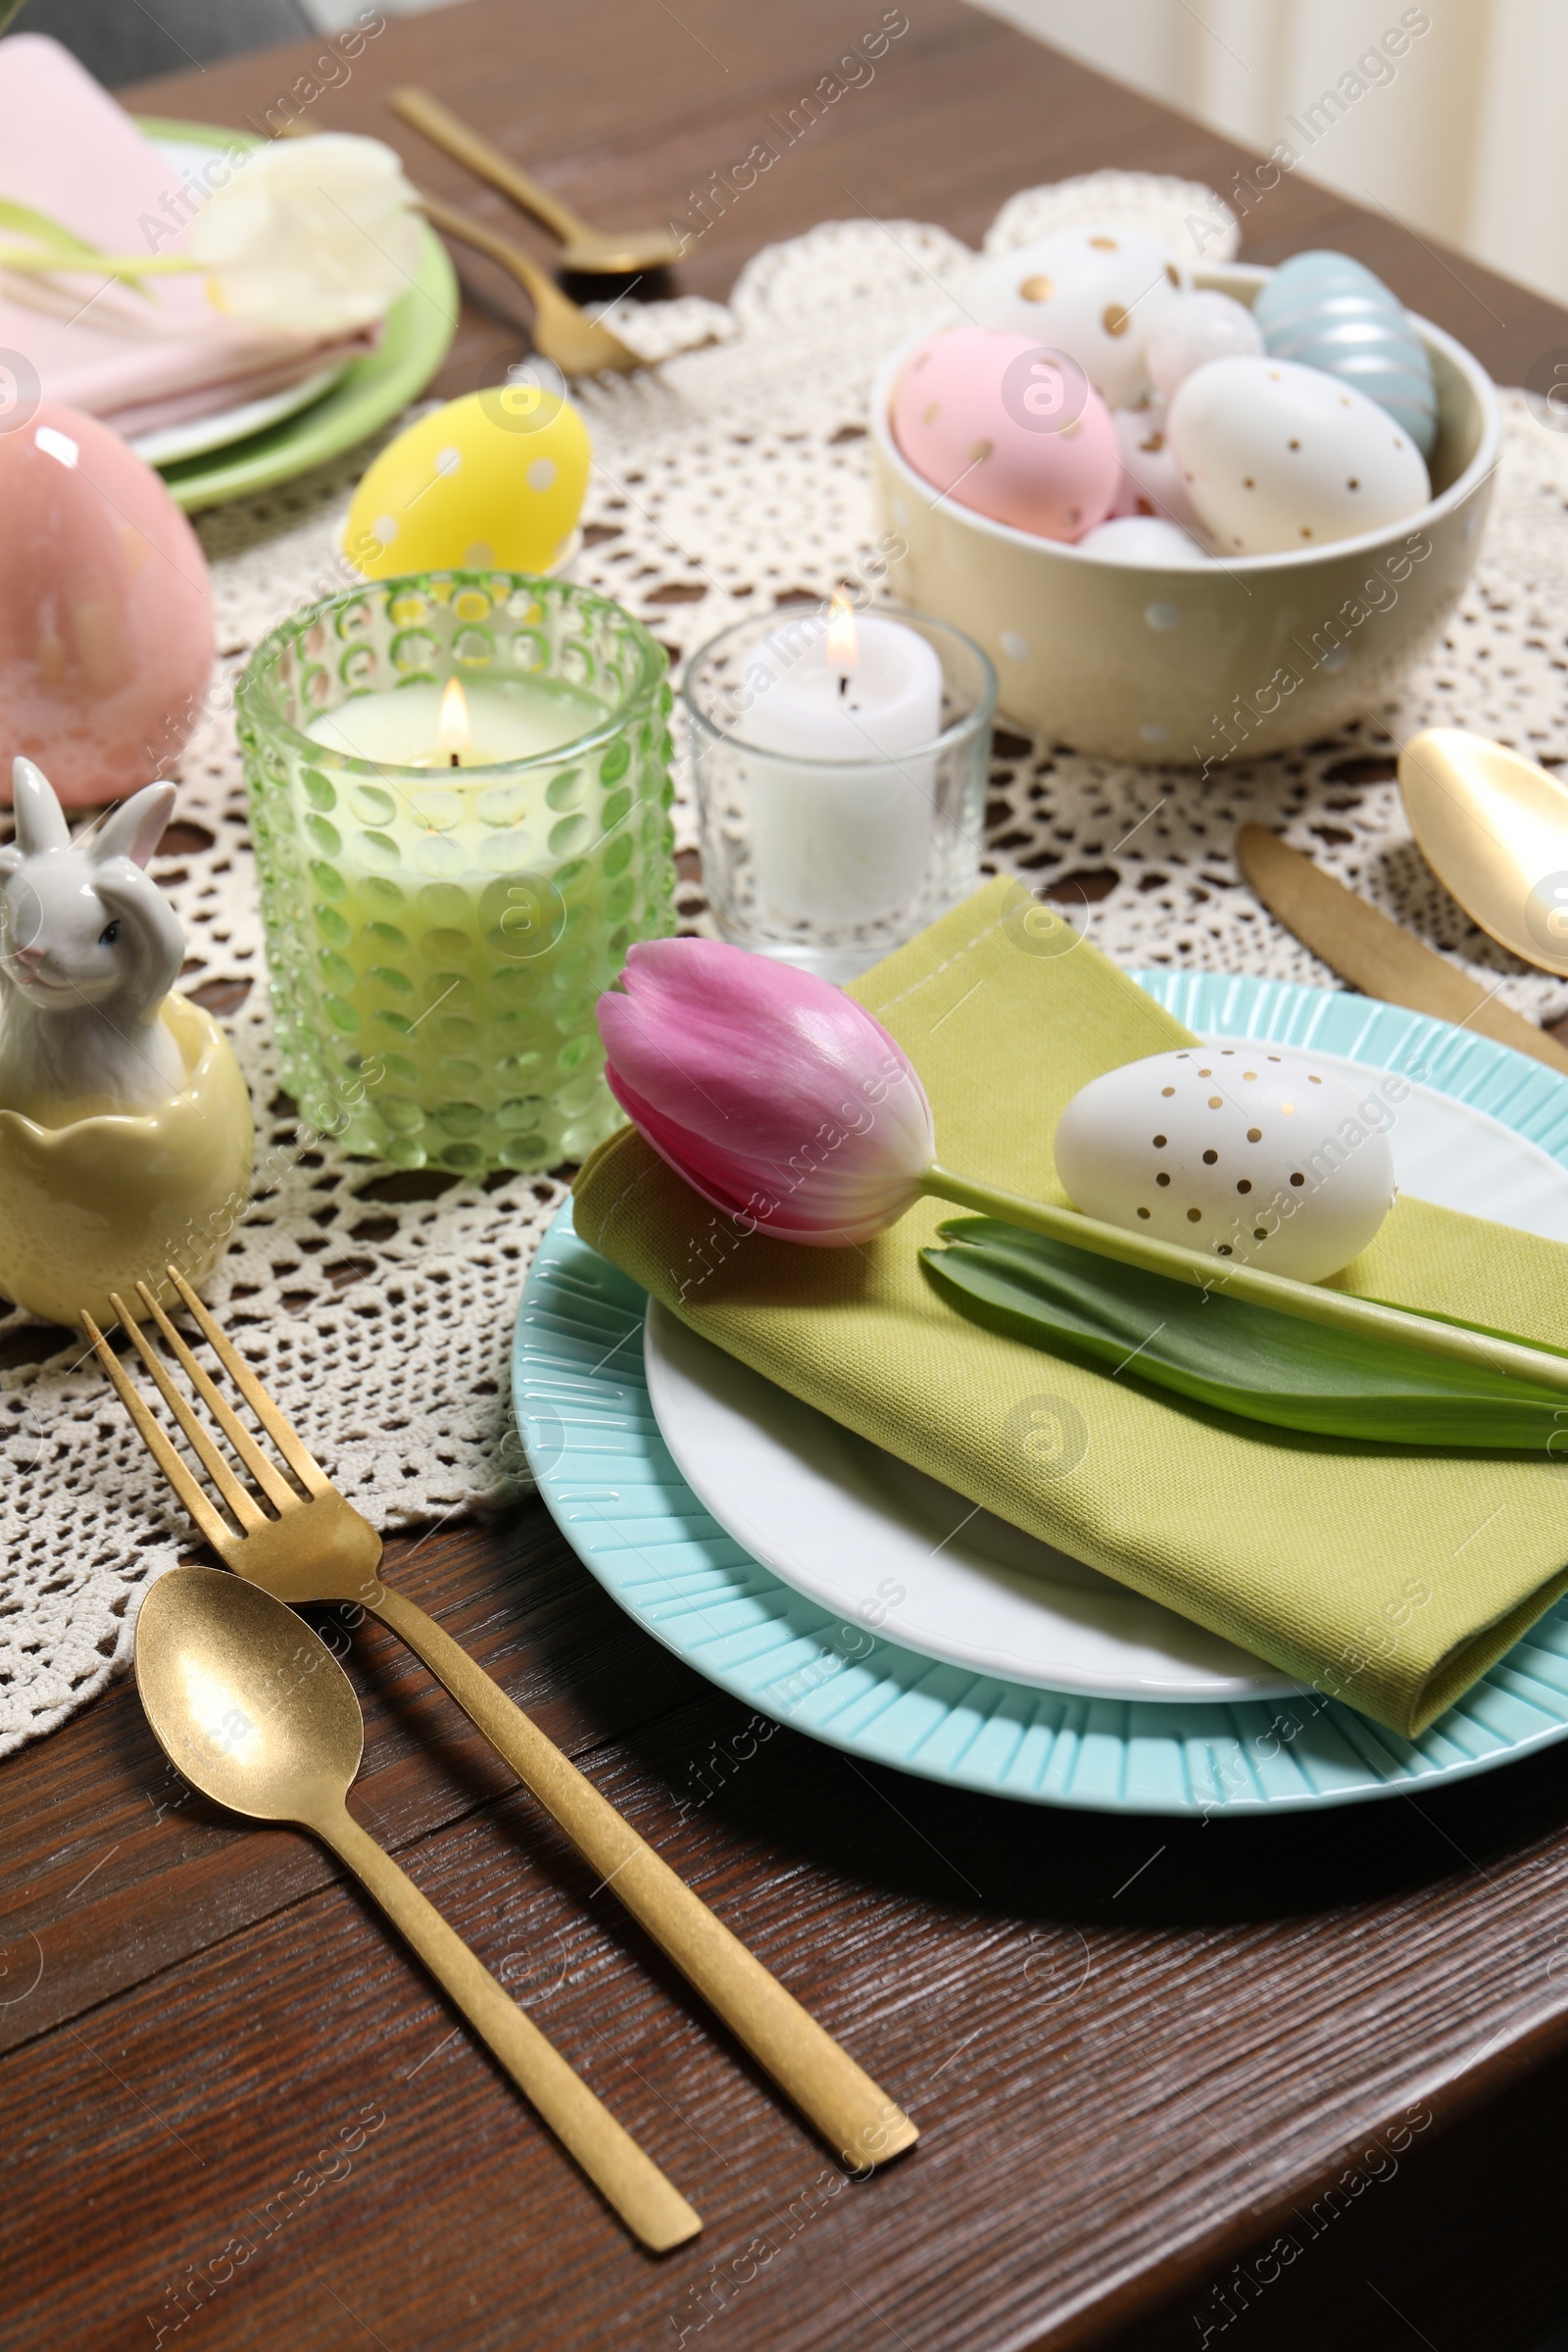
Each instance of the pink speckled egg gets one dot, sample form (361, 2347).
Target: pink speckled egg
(106, 612)
(1002, 425)
(1152, 481)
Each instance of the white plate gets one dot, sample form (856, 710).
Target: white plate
(835, 1517)
(222, 426)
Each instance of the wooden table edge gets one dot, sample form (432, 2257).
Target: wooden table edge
(1452, 2093)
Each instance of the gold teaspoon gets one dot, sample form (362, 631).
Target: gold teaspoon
(254, 1710)
(1493, 828)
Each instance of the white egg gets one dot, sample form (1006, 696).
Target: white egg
(1278, 455)
(1142, 539)
(1151, 479)
(1093, 293)
(1193, 329)
(1265, 1159)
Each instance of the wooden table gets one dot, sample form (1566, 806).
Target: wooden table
(1143, 2054)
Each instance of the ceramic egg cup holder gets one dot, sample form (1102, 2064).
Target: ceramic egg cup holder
(125, 1123)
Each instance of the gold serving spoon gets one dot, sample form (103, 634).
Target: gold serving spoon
(577, 344)
(254, 1710)
(594, 252)
(290, 1531)
(1493, 828)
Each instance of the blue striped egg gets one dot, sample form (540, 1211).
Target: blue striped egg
(1329, 312)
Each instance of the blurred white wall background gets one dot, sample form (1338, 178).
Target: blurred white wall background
(1461, 134)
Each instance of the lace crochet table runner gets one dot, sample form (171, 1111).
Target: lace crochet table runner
(733, 477)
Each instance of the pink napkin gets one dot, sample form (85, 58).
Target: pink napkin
(68, 150)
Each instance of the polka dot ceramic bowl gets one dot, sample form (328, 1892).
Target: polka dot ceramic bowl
(1207, 663)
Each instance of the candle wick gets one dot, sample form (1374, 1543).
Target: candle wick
(844, 683)
(455, 761)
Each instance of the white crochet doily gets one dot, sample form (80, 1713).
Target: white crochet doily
(378, 1311)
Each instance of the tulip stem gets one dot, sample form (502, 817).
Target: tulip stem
(65, 261)
(1307, 1302)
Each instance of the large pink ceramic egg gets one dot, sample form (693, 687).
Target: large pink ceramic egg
(998, 423)
(106, 614)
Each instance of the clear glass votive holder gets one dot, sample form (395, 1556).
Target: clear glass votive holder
(438, 935)
(832, 863)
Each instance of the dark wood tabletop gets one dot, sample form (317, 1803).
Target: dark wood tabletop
(1250, 2084)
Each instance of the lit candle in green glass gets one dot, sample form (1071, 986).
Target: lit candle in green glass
(484, 726)
(448, 904)
(451, 875)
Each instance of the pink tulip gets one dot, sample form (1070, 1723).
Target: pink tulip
(777, 1098)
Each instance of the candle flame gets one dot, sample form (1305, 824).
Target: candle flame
(843, 638)
(453, 728)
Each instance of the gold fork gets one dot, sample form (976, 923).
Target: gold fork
(314, 1547)
(577, 344)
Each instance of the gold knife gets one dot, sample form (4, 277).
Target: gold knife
(1371, 951)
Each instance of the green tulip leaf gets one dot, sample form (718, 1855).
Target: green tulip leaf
(1236, 1356)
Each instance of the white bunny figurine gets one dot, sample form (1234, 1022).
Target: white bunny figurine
(89, 948)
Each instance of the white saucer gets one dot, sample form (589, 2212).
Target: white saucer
(838, 1518)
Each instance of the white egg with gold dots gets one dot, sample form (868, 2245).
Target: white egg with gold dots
(1092, 292)
(1266, 1158)
(1277, 456)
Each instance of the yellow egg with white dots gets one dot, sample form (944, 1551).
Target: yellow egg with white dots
(493, 481)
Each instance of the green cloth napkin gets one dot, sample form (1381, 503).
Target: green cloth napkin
(1390, 1579)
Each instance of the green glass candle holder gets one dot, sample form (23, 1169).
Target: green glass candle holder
(438, 933)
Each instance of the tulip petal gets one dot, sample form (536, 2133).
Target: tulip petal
(776, 1097)
(755, 1054)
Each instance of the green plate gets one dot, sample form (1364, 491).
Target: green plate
(420, 327)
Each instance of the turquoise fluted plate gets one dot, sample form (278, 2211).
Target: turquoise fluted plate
(613, 1491)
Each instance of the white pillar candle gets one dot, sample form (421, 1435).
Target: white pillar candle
(834, 850)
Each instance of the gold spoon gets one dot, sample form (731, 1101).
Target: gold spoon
(597, 252)
(577, 344)
(1493, 828)
(254, 1710)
